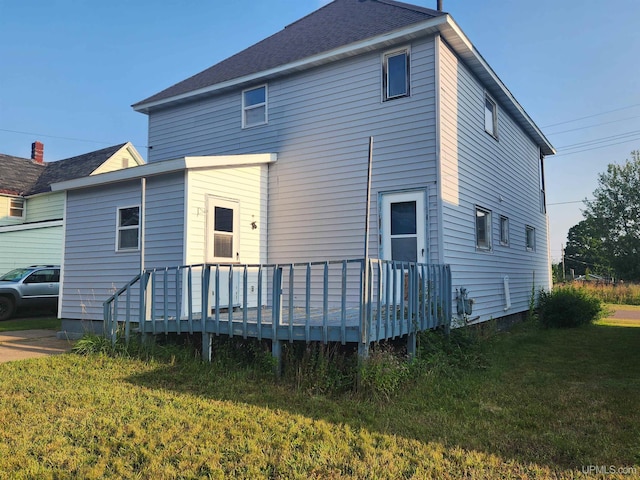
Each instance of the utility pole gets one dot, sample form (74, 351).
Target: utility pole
(563, 274)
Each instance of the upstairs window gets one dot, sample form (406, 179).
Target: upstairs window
(16, 207)
(128, 230)
(254, 107)
(490, 117)
(483, 229)
(395, 74)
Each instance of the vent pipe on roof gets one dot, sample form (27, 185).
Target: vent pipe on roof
(37, 152)
(439, 5)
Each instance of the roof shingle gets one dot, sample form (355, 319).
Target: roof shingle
(337, 24)
(21, 176)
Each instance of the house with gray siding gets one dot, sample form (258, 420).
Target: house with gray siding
(263, 158)
(31, 215)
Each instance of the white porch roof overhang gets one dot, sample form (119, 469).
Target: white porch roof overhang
(164, 167)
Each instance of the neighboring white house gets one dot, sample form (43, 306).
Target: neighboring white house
(276, 138)
(31, 216)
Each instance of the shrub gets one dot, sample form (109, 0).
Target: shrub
(383, 372)
(568, 307)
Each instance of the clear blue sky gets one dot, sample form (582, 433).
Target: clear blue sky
(70, 69)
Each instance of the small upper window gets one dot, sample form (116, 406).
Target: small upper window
(254, 107)
(16, 207)
(490, 116)
(530, 238)
(395, 74)
(504, 230)
(483, 229)
(128, 234)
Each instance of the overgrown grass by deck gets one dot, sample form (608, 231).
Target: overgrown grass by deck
(30, 323)
(546, 404)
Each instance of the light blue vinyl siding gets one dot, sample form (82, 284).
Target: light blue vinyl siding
(92, 269)
(498, 175)
(320, 122)
(165, 222)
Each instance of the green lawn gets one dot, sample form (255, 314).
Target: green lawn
(30, 323)
(549, 404)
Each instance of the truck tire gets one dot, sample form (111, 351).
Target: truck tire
(7, 308)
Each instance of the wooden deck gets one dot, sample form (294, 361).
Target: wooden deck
(310, 302)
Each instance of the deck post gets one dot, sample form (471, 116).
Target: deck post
(411, 344)
(276, 352)
(206, 346)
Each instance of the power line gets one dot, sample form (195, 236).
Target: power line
(591, 116)
(633, 133)
(595, 148)
(63, 138)
(594, 125)
(566, 203)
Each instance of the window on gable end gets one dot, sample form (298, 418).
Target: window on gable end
(490, 116)
(254, 107)
(395, 74)
(16, 208)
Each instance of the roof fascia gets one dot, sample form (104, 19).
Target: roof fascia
(461, 44)
(164, 167)
(422, 28)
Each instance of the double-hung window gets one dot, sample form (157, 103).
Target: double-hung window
(483, 229)
(530, 238)
(16, 208)
(254, 107)
(504, 230)
(128, 229)
(490, 116)
(395, 74)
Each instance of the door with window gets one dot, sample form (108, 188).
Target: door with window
(223, 247)
(404, 227)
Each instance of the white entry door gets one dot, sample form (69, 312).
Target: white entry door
(223, 247)
(404, 226)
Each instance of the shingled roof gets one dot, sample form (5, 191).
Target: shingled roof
(18, 175)
(21, 176)
(337, 24)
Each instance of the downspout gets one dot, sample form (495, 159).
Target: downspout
(143, 214)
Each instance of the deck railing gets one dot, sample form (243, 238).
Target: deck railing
(315, 301)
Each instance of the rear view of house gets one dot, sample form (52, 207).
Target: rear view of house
(263, 158)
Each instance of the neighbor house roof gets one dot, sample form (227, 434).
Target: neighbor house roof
(341, 22)
(18, 175)
(342, 29)
(70, 168)
(22, 176)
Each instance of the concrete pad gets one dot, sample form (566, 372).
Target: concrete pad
(23, 344)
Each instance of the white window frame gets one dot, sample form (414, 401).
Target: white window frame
(385, 73)
(504, 230)
(13, 207)
(247, 108)
(483, 244)
(530, 238)
(493, 112)
(120, 228)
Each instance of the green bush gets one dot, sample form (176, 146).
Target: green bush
(383, 372)
(568, 307)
